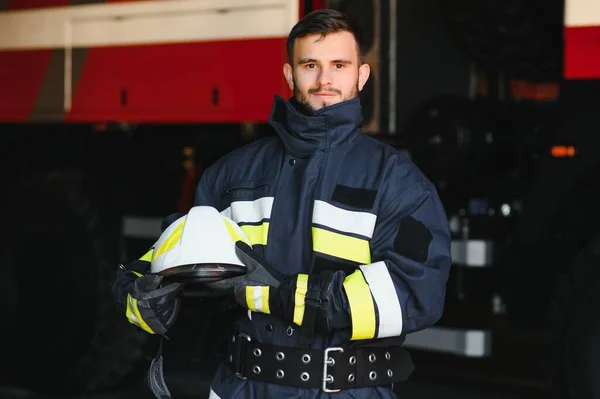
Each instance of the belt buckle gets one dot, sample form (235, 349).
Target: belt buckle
(328, 378)
(238, 345)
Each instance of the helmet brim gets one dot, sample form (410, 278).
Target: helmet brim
(202, 273)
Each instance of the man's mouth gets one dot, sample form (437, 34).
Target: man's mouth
(324, 93)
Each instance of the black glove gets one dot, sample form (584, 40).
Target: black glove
(254, 285)
(301, 299)
(258, 273)
(145, 303)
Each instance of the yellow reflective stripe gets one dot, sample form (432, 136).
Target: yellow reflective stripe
(257, 234)
(128, 311)
(148, 256)
(139, 318)
(341, 246)
(235, 235)
(134, 316)
(169, 242)
(136, 273)
(362, 308)
(265, 300)
(299, 297)
(257, 299)
(250, 298)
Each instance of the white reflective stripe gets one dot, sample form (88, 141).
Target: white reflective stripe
(141, 227)
(146, 22)
(258, 302)
(361, 223)
(468, 343)
(473, 253)
(384, 292)
(227, 213)
(213, 395)
(582, 13)
(249, 211)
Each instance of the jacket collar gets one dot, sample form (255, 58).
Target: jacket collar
(329, 127)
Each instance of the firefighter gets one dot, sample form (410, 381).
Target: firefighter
(355, 236)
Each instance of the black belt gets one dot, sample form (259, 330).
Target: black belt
(331, 369)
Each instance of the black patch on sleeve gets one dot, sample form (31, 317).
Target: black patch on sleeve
(355, 197)
(321, 264)
(413, 239)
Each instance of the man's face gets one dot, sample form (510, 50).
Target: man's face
(325, 70)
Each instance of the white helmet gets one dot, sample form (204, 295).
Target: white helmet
(199, 247)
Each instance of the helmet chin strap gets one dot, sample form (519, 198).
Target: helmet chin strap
(156, 378)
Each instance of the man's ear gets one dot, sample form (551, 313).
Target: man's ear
(364, 71)
(289, 75)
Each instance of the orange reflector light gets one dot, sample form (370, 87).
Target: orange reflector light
(562, 151)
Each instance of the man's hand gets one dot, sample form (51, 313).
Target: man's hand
(251, 290)
(300, 299)
(145, 303)
(259, 273)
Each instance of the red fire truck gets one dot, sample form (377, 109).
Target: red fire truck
(109, 111)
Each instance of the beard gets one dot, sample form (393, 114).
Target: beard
(304, 106)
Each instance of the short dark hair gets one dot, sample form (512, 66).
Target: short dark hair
(324, 22)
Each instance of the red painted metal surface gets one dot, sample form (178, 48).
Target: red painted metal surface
(227, 81)
(318, 4)
(29, 4)
(217, 81)
(582, 52)
(21, 75)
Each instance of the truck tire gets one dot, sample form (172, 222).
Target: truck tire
(58, 253)
(574, 339)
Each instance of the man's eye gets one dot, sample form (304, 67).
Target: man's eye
(339, 66)
(311, 66)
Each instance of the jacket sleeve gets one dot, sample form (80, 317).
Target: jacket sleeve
(204, 196)
(403, 289)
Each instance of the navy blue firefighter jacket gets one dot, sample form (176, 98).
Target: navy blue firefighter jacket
(321, 195)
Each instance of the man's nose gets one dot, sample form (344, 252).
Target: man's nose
(324, 78)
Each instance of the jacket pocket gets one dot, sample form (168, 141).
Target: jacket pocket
(249, 204)
(247, 190)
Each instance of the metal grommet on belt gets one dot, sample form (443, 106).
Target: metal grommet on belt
(289, 331)
(315, 368)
